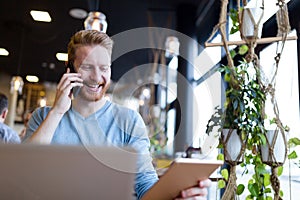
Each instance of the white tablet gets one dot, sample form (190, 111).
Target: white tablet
(183, 173)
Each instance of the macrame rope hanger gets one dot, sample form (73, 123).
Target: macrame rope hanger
(282, 36)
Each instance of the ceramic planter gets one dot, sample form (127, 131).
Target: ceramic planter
(233, 144)
(250, 18)
(279, 152)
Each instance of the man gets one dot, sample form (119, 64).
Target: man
(7, 135)
(89, 118)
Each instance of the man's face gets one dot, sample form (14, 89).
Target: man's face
(93, 63)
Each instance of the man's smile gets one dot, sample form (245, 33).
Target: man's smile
(94, 87)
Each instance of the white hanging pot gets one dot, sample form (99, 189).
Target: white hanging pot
(251, 17)
(233, 145)
(279, 152)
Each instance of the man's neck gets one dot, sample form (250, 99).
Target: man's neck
(86, 108)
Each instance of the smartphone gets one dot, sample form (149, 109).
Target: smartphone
(75, 90)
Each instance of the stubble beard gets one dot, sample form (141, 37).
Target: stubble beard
(98, 96)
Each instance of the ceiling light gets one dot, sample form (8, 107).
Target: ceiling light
(96, 21)
(172, 47)
(43, 102)
(78, 13)
(42, 16)
(3, 52)
(16, 84)
(62, 56)
(32, 79)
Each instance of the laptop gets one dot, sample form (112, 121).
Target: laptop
(48, 172)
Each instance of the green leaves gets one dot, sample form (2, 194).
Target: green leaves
(221, 184)
(281, 193)
(263, 139)
(279, 170)
(293, 155)
(267, 180)
(233, 13)
(240, 189)
(227, 77)
(293, 142)
(243, 49)
(253, 189)
(220, 157)
(225, 174)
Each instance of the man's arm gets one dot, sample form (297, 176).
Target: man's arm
(45, 131)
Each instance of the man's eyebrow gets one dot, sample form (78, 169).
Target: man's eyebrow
(103, 65)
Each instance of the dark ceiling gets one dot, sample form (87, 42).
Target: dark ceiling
(33, 45)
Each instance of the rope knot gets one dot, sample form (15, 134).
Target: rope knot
(280, 3)
(277, 57)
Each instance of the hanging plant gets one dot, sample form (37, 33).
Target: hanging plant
(243, 113)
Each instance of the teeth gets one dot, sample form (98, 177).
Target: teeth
(93, 86)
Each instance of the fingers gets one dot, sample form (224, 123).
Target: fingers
(69, 80)
(195, 191)
(192, 198)
(205, 183)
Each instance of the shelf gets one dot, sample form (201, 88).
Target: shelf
(259, 41)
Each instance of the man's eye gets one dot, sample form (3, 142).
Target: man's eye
(86, 67)
(104, 69)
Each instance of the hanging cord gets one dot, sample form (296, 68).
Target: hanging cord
(282, 19)
(231, 187)
(251, 41)
(221, 26)
(97, 5)
(283, 29)
(230, 192)
(275, 183)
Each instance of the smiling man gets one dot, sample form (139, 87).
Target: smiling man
(88, 118)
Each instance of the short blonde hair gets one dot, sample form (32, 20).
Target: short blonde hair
(88, 38)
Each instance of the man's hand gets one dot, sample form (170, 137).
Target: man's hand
(63, 92)
(199, 192)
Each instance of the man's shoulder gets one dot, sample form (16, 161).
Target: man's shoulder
(7, 134)
(4, 127)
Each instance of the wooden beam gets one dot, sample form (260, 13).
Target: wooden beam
(259, 41)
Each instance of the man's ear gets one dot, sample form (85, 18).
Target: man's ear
(4, 113)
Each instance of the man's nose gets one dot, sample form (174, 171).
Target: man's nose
(97, 74)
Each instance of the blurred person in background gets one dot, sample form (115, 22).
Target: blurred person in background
(7, 134)
(26, 118)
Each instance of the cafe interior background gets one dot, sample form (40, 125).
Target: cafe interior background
(32, 60)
